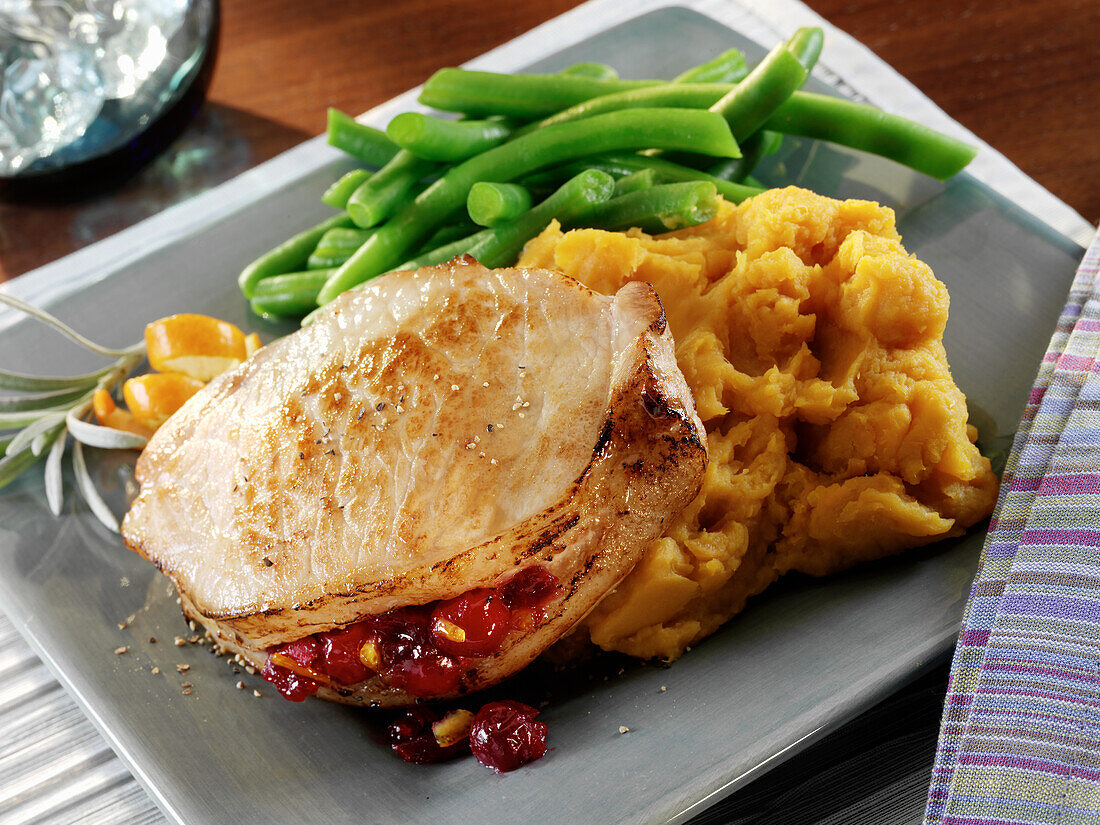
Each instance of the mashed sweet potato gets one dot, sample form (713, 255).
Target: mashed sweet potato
(813, 345)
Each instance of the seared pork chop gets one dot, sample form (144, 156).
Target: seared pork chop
(433, 433)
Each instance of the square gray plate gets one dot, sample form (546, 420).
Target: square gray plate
(799, 661)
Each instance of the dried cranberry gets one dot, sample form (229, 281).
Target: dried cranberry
(480, 616)
(294, 687)
(411, 738)
(506, 735)
(530, 589)
(340, 654)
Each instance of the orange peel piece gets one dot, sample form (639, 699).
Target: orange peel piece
(453, 728)
(197, 346)
(103, 405)
(154, 397)
(108, 414)
(251, 344)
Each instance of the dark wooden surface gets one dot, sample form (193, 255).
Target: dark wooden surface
(1022, 74)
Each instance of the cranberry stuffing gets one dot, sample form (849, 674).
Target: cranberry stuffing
(293, 686)
(411, 738)
(340, 654)
(421, 650)
(473, 624)
(530, 589)
(506, 735)
(409, 659)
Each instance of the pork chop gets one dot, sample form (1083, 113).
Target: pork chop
(431, 434)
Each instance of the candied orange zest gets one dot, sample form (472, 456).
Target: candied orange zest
(453, 728)
(371, 656)
(448, 629)
(103, 405)
(282, 660)
(153, 398)
(122, 420)
(107, 414)
(196, 345)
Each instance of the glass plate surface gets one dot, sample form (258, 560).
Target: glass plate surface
(800, 660)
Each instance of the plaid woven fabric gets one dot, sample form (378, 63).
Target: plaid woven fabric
(1020, 736)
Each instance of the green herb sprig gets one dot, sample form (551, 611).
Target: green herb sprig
(50, 409)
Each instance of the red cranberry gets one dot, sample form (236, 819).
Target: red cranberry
(411, 663)
(400, 618)
(506, 735)
(303, 651)
(411, 738)
(294, 687)
(530, 589)
(340, 654)
(409, 660)
(480, 615)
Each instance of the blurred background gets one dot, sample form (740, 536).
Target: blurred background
(1021, 75)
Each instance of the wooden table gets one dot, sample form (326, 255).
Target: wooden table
(1023, 75)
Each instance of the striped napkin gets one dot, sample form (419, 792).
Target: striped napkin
(1020, 735)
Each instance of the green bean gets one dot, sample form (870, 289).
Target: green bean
(338, 193)
(336, 246)
(665, 95)
(448, 233)
(621, 164)
(444, 253)
(734, 169)
(805, 44)
(642, 179)
(863, 127)
(728, 67)
(493, 203)
(433, 257)
(433, 138)
(289, 296)
(755, 147)
(584, 200)
(750, 102)
(364, 142)
(570, 204)
(289, 256)
(599, 71)
(384, 192)
(520, 96)
(658, 209)
(808, 115)
(689, 159)
(631, 129)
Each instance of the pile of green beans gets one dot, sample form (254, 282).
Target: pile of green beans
(582, 147)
